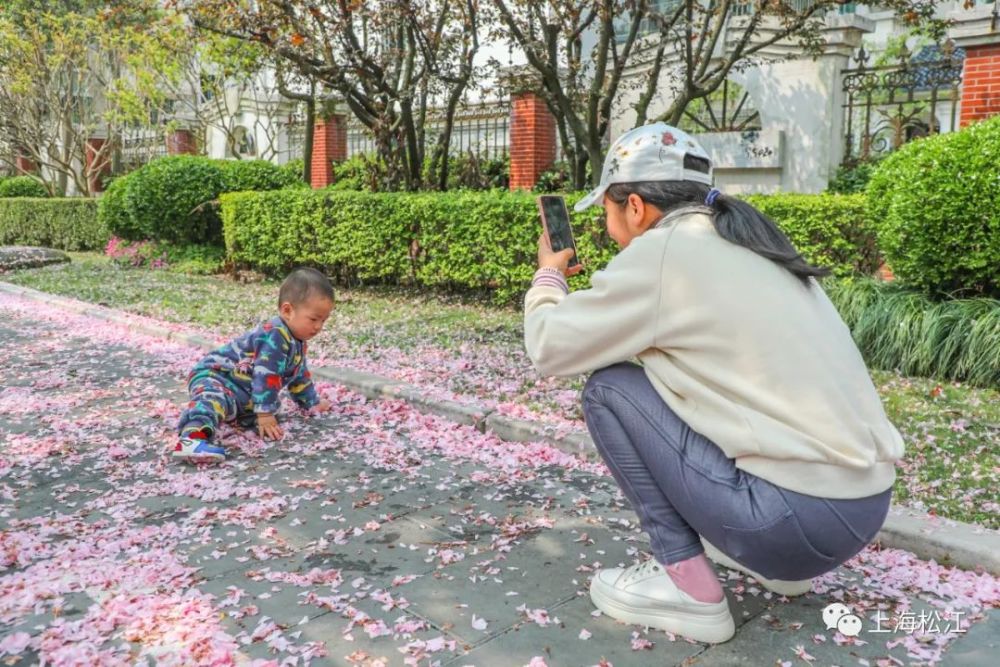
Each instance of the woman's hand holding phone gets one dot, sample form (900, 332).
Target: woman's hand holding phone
(548, 258)
(556, 228)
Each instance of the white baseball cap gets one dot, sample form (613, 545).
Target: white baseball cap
(653, 152)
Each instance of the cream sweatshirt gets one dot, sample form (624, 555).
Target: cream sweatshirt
(738, 348)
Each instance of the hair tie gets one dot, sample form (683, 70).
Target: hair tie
(712, 195)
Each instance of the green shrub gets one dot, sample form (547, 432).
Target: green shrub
(135, 254)
(191, 259)
(195, 259)
(67, 224)
(174, 199)
(471, 241)
(852, 180)
(170, 199)
(113, 212)
(559, 178)
(294, 170)
(489, 240)
(359, 172)
(468, 171)
(240, 175)
(829, 230)
(936, 207)
(22, 186)
(901, 329)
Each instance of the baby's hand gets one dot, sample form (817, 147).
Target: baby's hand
(268, 427)
(323, 406)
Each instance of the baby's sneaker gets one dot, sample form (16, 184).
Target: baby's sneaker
(779, 586)
(644, 594)
(198, 449)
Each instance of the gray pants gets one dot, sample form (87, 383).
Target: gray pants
(682, 485)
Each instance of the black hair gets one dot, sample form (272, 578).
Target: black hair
(303, 283)
(735, 220)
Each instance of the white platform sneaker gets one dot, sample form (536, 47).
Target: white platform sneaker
(644, 594)
(779, 586)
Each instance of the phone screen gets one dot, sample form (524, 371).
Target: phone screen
(556, 219)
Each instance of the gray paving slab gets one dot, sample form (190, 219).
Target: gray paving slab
(562, 645)
(980, 645)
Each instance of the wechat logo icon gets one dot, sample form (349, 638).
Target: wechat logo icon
(839, 617)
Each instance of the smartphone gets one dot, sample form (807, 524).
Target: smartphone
(555, 219)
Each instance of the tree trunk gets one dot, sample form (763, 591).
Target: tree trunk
(414, 154)
(595, 158)
(307, 146)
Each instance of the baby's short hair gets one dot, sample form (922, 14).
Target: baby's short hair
(303, 283)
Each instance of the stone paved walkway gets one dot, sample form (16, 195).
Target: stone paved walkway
(371, 536)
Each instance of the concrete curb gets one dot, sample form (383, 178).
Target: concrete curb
(949, 542)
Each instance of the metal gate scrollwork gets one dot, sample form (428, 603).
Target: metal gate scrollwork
(886, 106)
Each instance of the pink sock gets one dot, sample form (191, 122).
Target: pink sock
(696, 577)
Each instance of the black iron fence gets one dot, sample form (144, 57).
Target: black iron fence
(912, 96)
(140, 145)
(481, 129)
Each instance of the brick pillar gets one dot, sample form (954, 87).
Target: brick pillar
(532, 140)
(980, 83)
(96, 171)
(25, 165)
(182, 142)
(329, 146)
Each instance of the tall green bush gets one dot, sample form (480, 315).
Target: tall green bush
(113, 212)
(174, 199)
(829, 229)
(170, 199)
(935, 204)
(22, 186)
(64, 223)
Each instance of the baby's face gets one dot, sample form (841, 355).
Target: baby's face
(306, 319)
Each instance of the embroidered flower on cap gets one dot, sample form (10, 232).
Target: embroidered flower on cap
(669, 139)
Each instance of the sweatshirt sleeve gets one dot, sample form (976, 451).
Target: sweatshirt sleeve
(613, 321)
(301, 387)
(271, 349)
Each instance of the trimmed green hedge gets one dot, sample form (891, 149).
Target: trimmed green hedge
(830, 230)
(471, 241)
(240, 175)
(902, 330)
(67, 224)
(476, 240)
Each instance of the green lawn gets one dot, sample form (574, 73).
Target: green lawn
(452, 345)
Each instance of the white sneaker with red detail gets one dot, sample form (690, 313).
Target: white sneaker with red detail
(644, 594)
(197, 450)
(779, 586)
